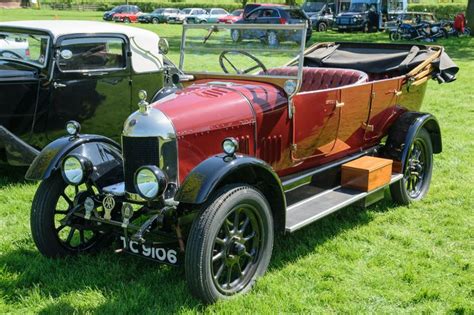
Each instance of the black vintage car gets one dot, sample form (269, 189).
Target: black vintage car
(55, 71)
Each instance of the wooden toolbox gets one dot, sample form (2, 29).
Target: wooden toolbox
(367, 173)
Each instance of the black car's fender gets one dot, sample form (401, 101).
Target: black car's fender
(221, 170)
(104, 153)
(404, 130)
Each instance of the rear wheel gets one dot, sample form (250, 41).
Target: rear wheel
(54, 234)
(235, 35)
(322, 27)
(416, 171)
(230, 244)
(272, 39)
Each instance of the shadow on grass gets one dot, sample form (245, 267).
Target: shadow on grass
(127, 284)
(12, 175)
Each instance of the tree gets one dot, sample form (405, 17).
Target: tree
(470, 15)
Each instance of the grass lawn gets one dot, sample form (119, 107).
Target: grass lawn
(386, 259)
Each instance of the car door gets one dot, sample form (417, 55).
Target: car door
(92, 83)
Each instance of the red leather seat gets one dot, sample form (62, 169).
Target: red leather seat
(322, 78)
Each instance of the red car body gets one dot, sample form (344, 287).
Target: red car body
(231, 18)
(126, 17)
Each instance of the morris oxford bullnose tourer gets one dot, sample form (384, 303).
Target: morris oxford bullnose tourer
(55, 71)
(261, 140)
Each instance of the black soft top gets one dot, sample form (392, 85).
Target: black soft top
(393, 59)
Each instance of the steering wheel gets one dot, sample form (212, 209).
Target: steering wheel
(223, 57)
(11, 53)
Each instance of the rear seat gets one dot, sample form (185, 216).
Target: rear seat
(322, 78)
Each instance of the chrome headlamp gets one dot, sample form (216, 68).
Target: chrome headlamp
(230, 146)
(75, 169)
(150, 182)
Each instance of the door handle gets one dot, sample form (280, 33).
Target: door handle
(91, 74)
(57, 85)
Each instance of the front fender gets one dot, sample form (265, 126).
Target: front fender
(104, 153)
(404, 130)
(220, 170)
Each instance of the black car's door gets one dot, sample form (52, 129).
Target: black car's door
(92, 84)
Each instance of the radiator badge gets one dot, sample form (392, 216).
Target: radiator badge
(109, 205)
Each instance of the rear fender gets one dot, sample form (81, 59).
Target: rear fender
(104, 153)
(404, 130)
(220, 170)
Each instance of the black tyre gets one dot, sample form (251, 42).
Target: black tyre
(235, 35)
(126, 20)
(53, 238)
(272, 39)
(230, 244)
(322, 27)
(417, 171)
(155, 21)
(365, 27)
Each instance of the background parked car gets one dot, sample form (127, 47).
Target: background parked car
(13, 47)
(211, 16)
(128, 17)
(88, 76)
(272, 15)
(232, 17)
(108, 15)
(158, 16)
(183, 14)
(321, 13)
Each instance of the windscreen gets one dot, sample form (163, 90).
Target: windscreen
(240, 49)
(24, 47)
(313, 6)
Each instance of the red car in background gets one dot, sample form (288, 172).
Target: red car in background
(231, 18)
(128, 17)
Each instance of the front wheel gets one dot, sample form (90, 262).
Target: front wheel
(416, 172)
(235, 35)
(322, 27)
(394, 36)
(272, 39)
(53, 234)
(155, 21)
(230, 244)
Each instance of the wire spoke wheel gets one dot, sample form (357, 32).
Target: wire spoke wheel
(415, 170)
(73, 234)
(236, 249)
(56, 231)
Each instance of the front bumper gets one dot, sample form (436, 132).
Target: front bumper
(17, 152)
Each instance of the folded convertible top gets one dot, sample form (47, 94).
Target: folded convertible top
(393, 59)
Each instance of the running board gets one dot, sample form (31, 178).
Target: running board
(316, 207)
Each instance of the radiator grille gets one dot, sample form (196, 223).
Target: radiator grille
(137, 152)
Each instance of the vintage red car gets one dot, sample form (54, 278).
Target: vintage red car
(127, 17)
(232, 17)
(248, 146)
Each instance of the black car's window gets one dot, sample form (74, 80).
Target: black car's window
(253, 15)
(296, 14)
(87, 54)
(269, 13)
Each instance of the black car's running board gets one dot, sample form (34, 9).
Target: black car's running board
(318, 206)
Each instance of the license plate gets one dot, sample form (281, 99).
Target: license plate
(342, 26)
(159, 253)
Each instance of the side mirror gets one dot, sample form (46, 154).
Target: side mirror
(163, 46)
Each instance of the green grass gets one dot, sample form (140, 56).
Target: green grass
(386, 259)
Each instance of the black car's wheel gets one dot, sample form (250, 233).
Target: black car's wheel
(365, 27)
(272, 39)
(155, 21)
(416, 172)
(322, 27)
(230, 244)
(235, 35)
(53, 236)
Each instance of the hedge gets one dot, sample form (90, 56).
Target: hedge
(441, 11)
